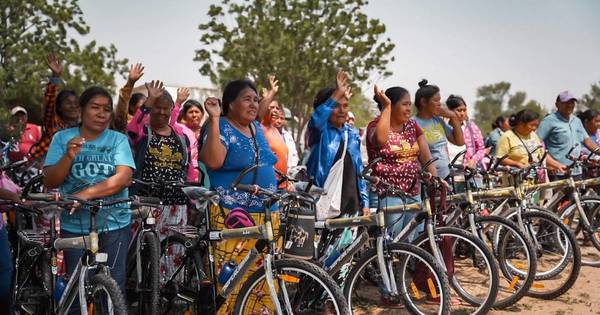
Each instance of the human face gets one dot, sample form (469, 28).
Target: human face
(96, 114)
(505, 125)
(277, 119)
(402, 110)
(339, 115)
(527, 128)
(19, 119)
(160, 114)
(566, 108)
(245, 107)
(350, 121)
(592, 125)
(133, 108)
(461, 112)
(193, 117)
(69, 108)
(434, 105)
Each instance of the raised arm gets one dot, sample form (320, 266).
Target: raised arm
(379, 136)
(213, 151)
(456, 137)
(182, 95)
(135, 73)
(320, 115)
(268, 95)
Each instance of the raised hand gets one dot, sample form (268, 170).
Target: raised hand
(182, 95)
(446, 113)
(381, 98)
(213, 107)
(74, 146)
(54, 65)
(273, 88)
(341, 85)
(348, 93)
(135, 72)
(155, 89)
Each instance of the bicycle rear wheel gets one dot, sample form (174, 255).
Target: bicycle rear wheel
(149, 295)
(302, 288)
(589, 240)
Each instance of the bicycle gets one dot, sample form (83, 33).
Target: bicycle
(282, 277)
(35, 274)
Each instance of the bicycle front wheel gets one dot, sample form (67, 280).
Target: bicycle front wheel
(149, 295)
(302, 288)
(106, 297)
(427, 292)
(589, 240)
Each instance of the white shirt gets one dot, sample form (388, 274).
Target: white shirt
(291, 145)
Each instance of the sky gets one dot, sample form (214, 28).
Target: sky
(541, 47)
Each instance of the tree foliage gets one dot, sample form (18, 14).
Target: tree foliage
(31, 29)
(495, 99)
(302, 42)
(592, 99)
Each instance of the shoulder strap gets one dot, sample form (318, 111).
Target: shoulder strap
(529, 156)
(256, 157)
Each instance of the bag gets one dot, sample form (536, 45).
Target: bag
(328, 205)
(238, 218)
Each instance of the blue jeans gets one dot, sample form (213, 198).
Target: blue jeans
(6, 271)
(395, 222)
(115, 244)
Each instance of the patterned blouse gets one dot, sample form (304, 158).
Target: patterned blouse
(473, 142)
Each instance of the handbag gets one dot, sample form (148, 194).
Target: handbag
(328, 205)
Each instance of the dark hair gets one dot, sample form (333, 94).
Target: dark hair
(523, 116)
(189, 104)
(588, 115)
(322, 96)
(499, 120)
(232, 91)
(166, 98)
(136, 97)
(425, 91)
(395, 94)
(91, 92)
(454, 101)
(61, 97)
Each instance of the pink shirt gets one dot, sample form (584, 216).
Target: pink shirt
(473, 142)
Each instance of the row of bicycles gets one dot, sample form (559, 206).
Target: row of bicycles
(470, 252)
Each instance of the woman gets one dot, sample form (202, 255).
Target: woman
(162, 154)
(188, 118)
(232, 143)
(499, 126)
(327, 130)
(520, 143)
(276, 141)
(430, 117)
(591, 122)
(91, 162)
(397, 139)
(60, 111)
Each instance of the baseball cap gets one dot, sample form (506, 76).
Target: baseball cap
(17, 109)
(566, 96)
(351, 115)
(287, 114)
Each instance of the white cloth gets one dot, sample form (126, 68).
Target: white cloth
(293, 158)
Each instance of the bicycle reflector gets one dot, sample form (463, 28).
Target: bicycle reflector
(288, 278)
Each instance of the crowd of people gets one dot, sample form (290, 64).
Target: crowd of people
(91, 149)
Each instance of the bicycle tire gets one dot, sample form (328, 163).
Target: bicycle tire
(149, 295)
(577, 226)
(169, 290)
(424, 257)
(500, 242)
(105, 283)
(293, 266)
(486, 303)
(573, 250)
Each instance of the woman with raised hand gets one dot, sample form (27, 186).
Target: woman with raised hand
(327, 130)
(473, 140)
(430, 117)
(232, 142)
(162, 154)
(60, 111)
(128, 104)
(92, 161)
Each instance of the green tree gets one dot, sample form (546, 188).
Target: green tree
(592, 99)
(31, 29)
(494, 100)
(363, 108)
(302, 42)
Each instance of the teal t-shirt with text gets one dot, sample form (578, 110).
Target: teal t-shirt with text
(96, 162)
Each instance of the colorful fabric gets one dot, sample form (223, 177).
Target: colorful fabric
(52, 122)
(96, 162)
(31, 135)
(241, 153)
(400, 156)
(473, 142)
(193, 173)
(436, 132)
(279, 148)
(236, 250)
(293, 158)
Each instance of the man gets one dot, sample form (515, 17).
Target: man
(293, 158)
(29, 133)
(562, 131)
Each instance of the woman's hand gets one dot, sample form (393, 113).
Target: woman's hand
(269, 94)
(54, 65)
(446, 113)
(341, 85)
(366, 211)
(182, 95)
(382, 98)
(135, 73)
(74, 146)
(213, 107)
